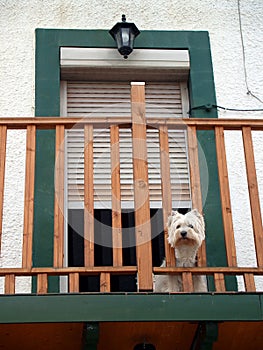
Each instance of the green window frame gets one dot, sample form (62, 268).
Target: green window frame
(47, 104)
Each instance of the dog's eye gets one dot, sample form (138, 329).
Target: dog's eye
(178, 226)
(191, 226)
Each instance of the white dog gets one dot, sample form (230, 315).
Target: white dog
(185, 234)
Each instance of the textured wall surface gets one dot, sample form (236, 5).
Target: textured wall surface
(18, 21)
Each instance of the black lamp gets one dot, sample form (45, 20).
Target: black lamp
(124, 34)
(144, 346)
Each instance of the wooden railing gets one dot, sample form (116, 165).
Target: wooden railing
(143, 268)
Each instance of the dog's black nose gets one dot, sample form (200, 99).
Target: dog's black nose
(183, 234)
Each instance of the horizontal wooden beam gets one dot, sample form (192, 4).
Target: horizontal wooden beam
(98, 122)
(130, 270)
(208, 270)
(68, 270)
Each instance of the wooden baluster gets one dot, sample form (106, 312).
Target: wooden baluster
(59, 198)
(249, 282)
(3, 132)
(219, 282)
(29, 197)
(105, 282)
(225, 197)
(42, 283)
(253, 193)
(88, 197)
(10, 284)
(166, 190)
(195, 183)
(187, 280)
(141, 188)
(74, 282)
(116, 197)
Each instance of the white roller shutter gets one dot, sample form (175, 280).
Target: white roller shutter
(94, 99)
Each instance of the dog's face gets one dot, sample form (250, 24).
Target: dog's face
(186, 230)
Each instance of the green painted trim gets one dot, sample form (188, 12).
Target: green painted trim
(49, 41)
(201, 89)
(261, 304)
(130, 307)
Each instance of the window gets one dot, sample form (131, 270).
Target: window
(92, 92)
(93, 96)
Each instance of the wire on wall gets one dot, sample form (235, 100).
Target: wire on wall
(209, 107)
(249, 92)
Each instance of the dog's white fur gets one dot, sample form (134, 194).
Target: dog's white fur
(185, 234)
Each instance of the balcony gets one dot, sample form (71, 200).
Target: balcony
(45, 313)
(144, 268)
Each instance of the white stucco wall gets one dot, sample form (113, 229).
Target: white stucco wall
(18, 21)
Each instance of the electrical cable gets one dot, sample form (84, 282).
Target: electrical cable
(209, 107)
(249, 92)
(240, 110)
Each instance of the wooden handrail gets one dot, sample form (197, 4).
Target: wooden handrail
(98, 122)
(62, 271)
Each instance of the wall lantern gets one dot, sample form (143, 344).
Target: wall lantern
(144, 346)
(124, 34)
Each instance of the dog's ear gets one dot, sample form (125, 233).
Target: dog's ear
(200, 218)
(170, 217)
(196, 213)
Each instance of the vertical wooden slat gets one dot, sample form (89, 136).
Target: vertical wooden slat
(187, 280)
(195, 183)
(105, 282)
(10, 284)
(116, 197)
(166, 190)
(219, 282)
(74, 282)
(249, 282)
(42, 283)
(88, 197)
(29, 197)
(3, 133)
(141, 188)
(225, 197)
(59, 198)
(253, 193)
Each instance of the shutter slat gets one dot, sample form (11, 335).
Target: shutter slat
(88, 99)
